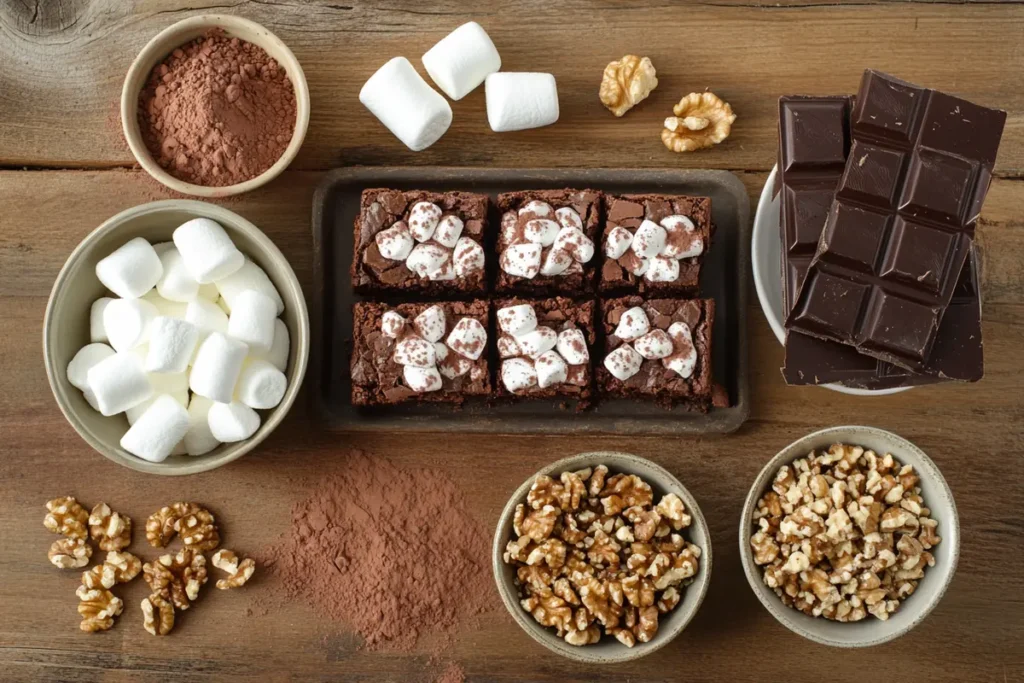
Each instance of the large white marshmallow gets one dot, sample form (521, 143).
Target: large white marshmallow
(632, 325)
(126, 322)
(278, 354)
(230, 422)
(132, 270)
(623, 362)
(551, 369)
(249, 276)
(537, 342)
(649, 239)
(207, 250)
(654, 345)
(413, 111)
(542, 231)
(431, 324)
(157, 431)
(517, 101)
(468, 256)
(216, 367)
(415, 352)
(87, 356)
(422, 380)
(396, 242)
(199, 440)
(252, 320)
(522, 260)
(518, 374)
(663, 269)
(448, 231)
(118, 382)
(460, 61)
(98, 333)
(618, 242)
(684, 355)
(572, 346)
(176, 283)
(576, 243)
(261, 385)
(468, 338)
(427, 259)
(171, 344)
(207, 317)
(517, 320)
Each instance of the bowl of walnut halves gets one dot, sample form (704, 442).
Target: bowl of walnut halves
(850, 536)
(602, 557)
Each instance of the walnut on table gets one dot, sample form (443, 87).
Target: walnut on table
(701, 120)
(240, 570)
(162, 525)
(198, 530)
(66, 517)
(98, 608)
(70, 553)
(110, 530)
(626, 82)
(177, 578)
(157, 615)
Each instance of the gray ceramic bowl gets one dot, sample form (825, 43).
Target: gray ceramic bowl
(609, 650)
(914, 609)
(66, 327)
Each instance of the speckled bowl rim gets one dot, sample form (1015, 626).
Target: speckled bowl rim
(622, 462)
(844, 434)
(155, 50)
(299, 341)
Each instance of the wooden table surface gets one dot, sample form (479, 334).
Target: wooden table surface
(64, 169)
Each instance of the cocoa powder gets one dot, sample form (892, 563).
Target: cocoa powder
(217, 111)
(393, 553)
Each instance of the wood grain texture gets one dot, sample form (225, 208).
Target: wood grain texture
(61, 64)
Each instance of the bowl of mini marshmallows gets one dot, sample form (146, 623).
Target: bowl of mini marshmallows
(176, 337)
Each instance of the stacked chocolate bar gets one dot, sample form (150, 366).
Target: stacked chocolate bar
(880, 196)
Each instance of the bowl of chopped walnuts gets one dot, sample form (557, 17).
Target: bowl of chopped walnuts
(602, 557)
(850, 536)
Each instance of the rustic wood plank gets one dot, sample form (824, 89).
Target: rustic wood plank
(64, 63)
(974, 433)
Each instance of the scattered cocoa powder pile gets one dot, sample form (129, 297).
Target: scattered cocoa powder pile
(218, 111)
(393, 553)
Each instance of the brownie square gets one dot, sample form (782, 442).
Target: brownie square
(546, 242)
(378, 378)
(573, 322)
(654, 378)
(445, 266)
(666, 273)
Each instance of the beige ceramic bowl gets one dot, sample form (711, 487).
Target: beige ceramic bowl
(914, 609)
(66, 327)
(608, 650)
(174, 37)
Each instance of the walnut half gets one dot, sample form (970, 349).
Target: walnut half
(701, 120)
(240, 570)
(70, 553)
(157, 615)
(627, 82)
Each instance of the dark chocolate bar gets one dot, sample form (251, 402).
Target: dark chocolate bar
(902, 221)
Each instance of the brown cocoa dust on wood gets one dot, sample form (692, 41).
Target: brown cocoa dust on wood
(392, 553)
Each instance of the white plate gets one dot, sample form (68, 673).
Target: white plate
(765, 255)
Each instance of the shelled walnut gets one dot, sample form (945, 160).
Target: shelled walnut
(701, 120)
(110, 530)
(593, 551)
(177, 578)
(240, 570)
(66, 517)
(70, 553)
(98, 608)
(626, 82)
(844, 533)
(198, 529)
(160, 526)
(157, 615)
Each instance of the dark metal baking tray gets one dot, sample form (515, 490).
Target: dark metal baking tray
(724, 278)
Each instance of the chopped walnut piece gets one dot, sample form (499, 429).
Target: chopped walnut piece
(240, 570)
(110, 530)
(69, 553)
(843, 534)
(66, 517)
(157, 615)
(98, 608)
(701, 120)
(627, 82)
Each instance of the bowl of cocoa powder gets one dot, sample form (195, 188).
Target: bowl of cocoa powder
(215, 105)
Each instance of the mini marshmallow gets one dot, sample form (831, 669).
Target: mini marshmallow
(391, 324)
(261, 385)
(460, 61)
(230, 422)
(448, 230)
(551, 369)
(576, 243)
(618, 242)
(135, 412)
(171, 344)
(157, 431)
(684, 357)
(468, 257)
(517, 101)
(649, 239)
(682, 239)
(395, 242)
(415, 352)
(249, 276)
(518, 374)
(278, 354)
(97, 333)
(542, 231)
(87, 356)
(537, 209)
(537, 342)
(118, 382)
(413, 111)
(632, 325)
(572, 346)
(216, 367)
(654, 345)
(468, 338)
(431, 324)
(252, 320)
(176, 283)
(199, 440)
(165, 307)
(568, 218)
(126, 322)
(425, 259)
(556, 262)
(423, 220)
(132, 270)
(507, 347)
(207, 317)
(663, 269)
(421, 380)
(623, 362)
(207, 250)
(522, 260)
(517, 320)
